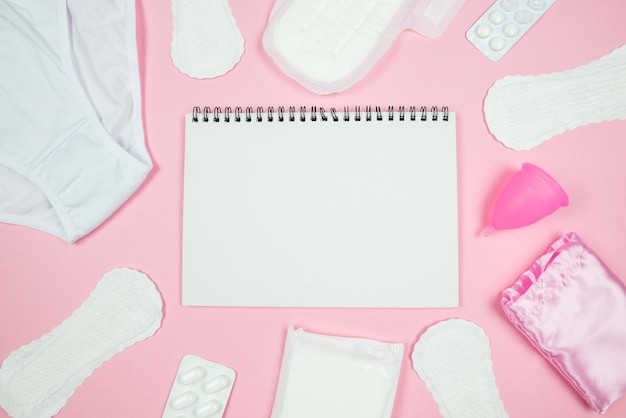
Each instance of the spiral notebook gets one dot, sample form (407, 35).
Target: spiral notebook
(297, 207)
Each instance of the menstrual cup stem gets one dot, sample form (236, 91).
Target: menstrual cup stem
(488, 231)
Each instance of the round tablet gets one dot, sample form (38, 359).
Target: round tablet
(536, 4)
(510, 30)
(496, 17)
(482, 31)
(496, 44)
(509, 5)
(523, 16)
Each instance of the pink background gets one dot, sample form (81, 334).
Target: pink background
(43, 280)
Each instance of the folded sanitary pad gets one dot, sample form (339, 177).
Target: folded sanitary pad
(329, 45)
(336, 377)
(572, 309)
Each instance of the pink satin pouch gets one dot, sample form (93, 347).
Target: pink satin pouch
(572, 308)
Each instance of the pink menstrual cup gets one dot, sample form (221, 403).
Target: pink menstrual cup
(530, 196)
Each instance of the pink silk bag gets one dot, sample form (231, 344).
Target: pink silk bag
(572, 308)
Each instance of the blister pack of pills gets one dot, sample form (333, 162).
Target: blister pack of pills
(504, 23)
(201, 389)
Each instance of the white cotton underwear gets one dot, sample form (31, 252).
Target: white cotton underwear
(453, 359)
(524, 111)
(71, 133)
(327, 46)
(37, 379)
(206, 41)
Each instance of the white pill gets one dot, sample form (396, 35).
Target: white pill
(497, 43)
(509, 5)
(183, 400)
(208, 409)
(192, 375)
(496, 17)
(216, 384)
(482, 31)
(536, 4)
(510, 30)
(523, 16)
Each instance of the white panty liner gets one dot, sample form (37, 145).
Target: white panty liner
(37, 379)
(206, 41)
(524, 111)
(453, 359)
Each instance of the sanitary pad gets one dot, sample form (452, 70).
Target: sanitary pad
(572, 309)
(37, 379)
(206, 41)
(336, 377)
(523, 111)
(327, 45)
(453, 359)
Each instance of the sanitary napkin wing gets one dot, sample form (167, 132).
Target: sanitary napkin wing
(328, 45)
(37, 379)
(453, 359)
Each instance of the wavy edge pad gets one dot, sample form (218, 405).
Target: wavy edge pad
(138, 287)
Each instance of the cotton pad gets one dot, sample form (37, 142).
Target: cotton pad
(523, 111)
(327, 45)
(206, 41)
(336, 377)
(37, 379)
(453, 359)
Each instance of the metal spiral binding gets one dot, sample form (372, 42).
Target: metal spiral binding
(249, 114)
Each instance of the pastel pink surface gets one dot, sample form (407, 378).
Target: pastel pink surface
(43, 280)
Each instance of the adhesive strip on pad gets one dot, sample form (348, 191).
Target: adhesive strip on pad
(206, 41)
(524, 111)
(37, 379)
(327, 46)
(453, 359)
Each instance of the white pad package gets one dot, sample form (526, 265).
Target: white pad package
(524, 111)
(201, 389)
(37, 379)
(336, 377)
(453, 359)
(328, 45)
(206, 41)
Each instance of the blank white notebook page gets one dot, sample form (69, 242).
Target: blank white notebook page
(320, 213)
